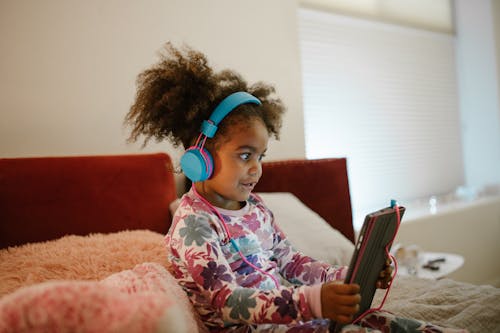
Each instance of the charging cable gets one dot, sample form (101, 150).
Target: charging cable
(232, 241)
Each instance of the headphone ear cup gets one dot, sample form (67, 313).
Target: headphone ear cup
(197, 164)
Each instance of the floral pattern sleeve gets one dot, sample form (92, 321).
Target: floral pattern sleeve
(222, 287)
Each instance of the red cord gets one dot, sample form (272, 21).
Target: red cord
(379, 308)
(230, 239)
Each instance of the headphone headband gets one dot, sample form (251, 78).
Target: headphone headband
(209, 127)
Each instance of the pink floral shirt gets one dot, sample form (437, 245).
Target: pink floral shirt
(223, 288)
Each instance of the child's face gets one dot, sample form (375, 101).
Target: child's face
(237, 165)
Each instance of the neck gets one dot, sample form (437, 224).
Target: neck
(215, 198)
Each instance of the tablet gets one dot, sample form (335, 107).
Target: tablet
(377, 233)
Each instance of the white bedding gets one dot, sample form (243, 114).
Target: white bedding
(444, 302)
(307, 231)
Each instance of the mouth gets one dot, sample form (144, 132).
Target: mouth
(249, 186)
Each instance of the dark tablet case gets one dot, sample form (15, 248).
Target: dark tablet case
(369, 255)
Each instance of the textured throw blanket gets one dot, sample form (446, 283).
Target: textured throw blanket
(98, 283)
(143, 299)
(445, 302)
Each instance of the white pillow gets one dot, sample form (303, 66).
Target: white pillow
(307, 231)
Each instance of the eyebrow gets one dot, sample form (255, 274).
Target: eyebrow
(251, 148)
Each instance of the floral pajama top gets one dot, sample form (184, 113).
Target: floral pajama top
(223, 288)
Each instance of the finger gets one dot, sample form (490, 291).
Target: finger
(347, 300)
(343, 314)
(387, 271)
(341, 289)
(345, 310)
(386, 277)
(333, 295)
(383, 284)
(347, 289)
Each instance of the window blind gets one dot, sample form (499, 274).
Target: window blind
(385, 97)
(435, 15)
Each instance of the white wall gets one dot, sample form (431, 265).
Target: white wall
(68, 67)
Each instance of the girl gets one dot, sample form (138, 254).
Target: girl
(226, 250)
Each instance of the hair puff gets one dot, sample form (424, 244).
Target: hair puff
(175, 95)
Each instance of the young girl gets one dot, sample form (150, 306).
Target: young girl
(227, 251)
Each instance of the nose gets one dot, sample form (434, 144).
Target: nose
(255, 169)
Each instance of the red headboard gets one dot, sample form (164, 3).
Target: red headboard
(321, 184)
(44, 198)
(49, 197)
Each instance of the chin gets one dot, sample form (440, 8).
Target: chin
(243, 197)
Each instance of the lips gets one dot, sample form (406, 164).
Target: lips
(249, 186)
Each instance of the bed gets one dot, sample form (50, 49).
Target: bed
(81, 245)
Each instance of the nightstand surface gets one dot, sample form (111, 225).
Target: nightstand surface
(451, 263)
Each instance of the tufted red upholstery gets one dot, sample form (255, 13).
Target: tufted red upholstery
(48, 197)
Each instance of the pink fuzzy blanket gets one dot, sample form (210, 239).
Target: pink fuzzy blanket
(99, 283)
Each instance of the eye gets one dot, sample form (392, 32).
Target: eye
(245, 156)
(261, 157)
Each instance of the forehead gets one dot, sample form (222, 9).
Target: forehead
(250, 133)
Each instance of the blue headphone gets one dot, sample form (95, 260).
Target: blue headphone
(197, 163)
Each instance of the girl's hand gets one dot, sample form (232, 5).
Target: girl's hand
(339, 302)
(385, 276)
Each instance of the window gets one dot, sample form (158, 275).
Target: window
(435, 15)
(385, 97)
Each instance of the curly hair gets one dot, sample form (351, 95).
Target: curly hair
(179, 92)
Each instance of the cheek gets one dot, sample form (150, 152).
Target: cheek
(223, 168)
(217, 162)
